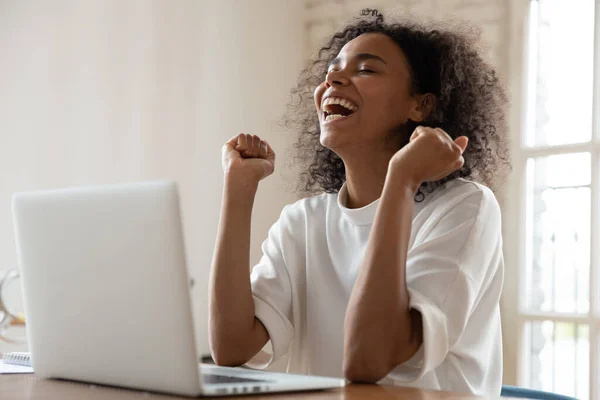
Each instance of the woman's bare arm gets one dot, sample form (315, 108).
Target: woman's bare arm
(236, 335)
(381, 331)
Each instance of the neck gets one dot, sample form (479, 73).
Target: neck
(365, 176)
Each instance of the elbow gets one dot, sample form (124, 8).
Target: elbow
(225, 358)
(225, 350)
(365, 362)
(370, 368)
(225, 361)
(364, 372)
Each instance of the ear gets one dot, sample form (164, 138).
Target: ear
(423, 107)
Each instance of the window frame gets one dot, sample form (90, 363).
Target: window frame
(521, 154)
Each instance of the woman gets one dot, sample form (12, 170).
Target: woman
(394, 273)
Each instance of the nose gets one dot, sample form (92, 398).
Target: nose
(336, 78)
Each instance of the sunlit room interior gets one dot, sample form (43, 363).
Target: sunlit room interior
(101, 92)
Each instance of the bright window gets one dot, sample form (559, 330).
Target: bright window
(559, 284)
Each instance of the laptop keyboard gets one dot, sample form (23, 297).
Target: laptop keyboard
(220, 379)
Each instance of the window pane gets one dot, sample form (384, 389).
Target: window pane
(558, 233)
(560, 78)
(557, 358)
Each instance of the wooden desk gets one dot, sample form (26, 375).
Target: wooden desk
(21, 387)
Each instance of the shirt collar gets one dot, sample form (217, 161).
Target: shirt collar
(358, 216)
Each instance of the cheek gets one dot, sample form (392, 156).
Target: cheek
(398, 104)
(318, 95)
(384, 105)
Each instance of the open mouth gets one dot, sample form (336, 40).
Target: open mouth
(335, 108)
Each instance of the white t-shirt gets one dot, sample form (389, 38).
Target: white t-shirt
(454, 273)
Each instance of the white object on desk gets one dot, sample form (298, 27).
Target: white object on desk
(14, 369)
(17, 358)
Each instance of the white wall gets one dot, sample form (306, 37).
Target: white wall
(104, 91)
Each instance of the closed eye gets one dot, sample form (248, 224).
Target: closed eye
(366, 71)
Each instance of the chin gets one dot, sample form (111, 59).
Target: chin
(333, 139)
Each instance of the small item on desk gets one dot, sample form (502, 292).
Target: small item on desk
(17, 358)
(16, 363)
(6, 368)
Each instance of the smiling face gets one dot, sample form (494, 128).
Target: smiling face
(366, 95)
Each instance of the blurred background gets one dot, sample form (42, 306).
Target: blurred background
(107, 91)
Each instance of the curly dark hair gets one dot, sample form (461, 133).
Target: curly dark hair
(443, 61)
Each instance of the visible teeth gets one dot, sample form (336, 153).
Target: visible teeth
(333, 116)
(343, 102)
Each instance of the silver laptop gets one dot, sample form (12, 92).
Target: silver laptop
(107, 294)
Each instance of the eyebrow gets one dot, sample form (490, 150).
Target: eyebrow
(359, 57)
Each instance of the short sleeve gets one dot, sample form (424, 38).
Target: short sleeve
(272, 294)
(447, 270)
